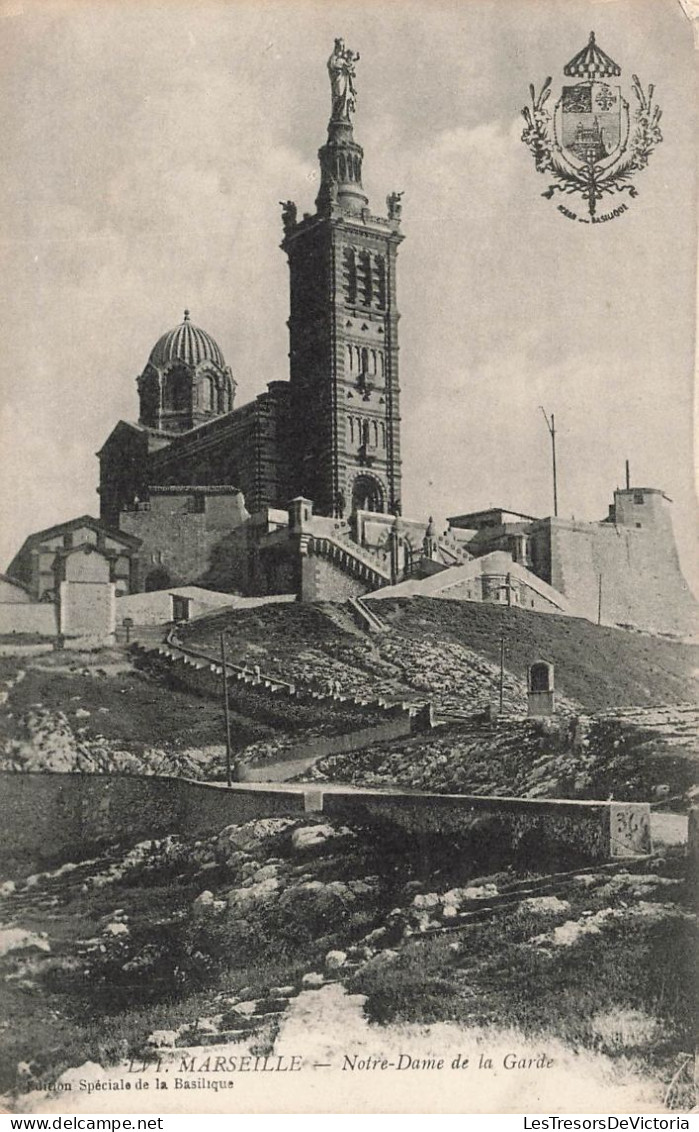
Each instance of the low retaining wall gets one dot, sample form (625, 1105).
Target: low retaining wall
(28, 617)
(295, 760)
(596, 830)
(48, 815)
(52, 815)
(273, 701)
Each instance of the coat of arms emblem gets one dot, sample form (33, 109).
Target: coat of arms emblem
(592, 142)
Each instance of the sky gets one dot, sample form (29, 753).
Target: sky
(146, 146)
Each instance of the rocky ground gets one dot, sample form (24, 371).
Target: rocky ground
(449, 652)
(172, 944)
(623, 756)
(96, 713)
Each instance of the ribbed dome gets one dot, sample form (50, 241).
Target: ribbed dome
(186, 343)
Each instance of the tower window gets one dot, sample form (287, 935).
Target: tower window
(380, 281)
(206, 394)
(638, 497)
(350, 274)
(365, 280)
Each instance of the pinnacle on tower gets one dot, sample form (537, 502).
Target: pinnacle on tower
(341, 157)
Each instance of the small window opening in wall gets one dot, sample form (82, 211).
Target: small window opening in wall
(639, 524)
(197, 504)
(638, 497)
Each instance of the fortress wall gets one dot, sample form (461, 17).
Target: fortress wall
(642, 583)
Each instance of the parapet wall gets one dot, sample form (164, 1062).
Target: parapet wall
(270, 700)
(595, 830)
(58, 815)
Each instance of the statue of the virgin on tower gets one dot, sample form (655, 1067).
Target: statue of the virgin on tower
(341, 68)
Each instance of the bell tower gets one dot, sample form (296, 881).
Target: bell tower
(343, 327)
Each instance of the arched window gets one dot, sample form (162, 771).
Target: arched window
(365, 433)
(373, 363)
(367, 494)
(380, 281)
(206, 393)
(381, 367)
(351, 428)
(350, 275)
(177, 391)
(365, 280)
(342, 165)
(365, 360)
(350, 359)
(357, 169)
(157, 580)
(375, 434)
(383, 435)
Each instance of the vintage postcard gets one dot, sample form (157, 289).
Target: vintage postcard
(348, 738)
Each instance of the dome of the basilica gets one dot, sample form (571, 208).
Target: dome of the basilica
(186, 343)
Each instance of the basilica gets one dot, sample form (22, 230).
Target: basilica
(298, 492)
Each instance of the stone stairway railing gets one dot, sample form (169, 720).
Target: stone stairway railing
(454, 549)
(257, 683)
(352, 558)
(366, 616)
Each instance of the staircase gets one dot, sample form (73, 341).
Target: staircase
(366, 616)
(358, 561)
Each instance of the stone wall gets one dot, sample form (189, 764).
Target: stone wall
(324, 580)
(642, 584)
(87, 610)
(594, 830)
(38, 617)
(185, 546)
(51, 816)
(272, 701)
(295, 760)
(56, 815)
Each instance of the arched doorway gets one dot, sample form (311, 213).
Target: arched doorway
(368, 495)
(157, 580)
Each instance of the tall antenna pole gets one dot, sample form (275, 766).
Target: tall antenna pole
(551, 426)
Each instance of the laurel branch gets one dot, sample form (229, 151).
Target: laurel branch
(591, 181)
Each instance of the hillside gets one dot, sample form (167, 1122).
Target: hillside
(449, 652)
